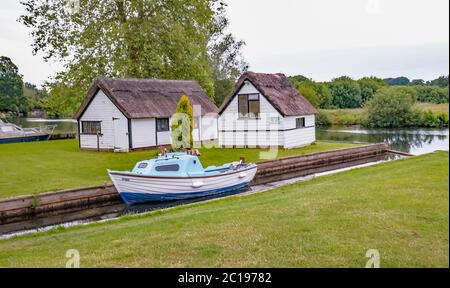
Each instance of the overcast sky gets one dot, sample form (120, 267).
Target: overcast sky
(320, 39)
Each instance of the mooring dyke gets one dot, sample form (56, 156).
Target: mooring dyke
(17, 209)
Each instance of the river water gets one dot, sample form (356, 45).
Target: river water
(414, 141)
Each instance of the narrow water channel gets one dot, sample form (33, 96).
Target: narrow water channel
(116, 209)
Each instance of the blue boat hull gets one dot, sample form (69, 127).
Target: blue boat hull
(24, 139)
(133, 198)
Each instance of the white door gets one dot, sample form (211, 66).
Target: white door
(120, 129)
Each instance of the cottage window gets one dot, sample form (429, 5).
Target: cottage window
(162, 124)
(91, 127)
(300, 122)
(249, 105)
(168, 168)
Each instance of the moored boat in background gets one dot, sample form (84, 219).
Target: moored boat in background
(176, 176)
(12, 133)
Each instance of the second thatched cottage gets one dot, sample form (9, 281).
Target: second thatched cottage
(129, 114)
(265, 110)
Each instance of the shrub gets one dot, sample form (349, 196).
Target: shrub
(433, 120)
(322, 120)
(182, 125)
(392, 107)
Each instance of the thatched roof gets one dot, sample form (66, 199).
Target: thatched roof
(278, 90)
(148, 98)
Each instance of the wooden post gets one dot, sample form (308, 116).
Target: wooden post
(98, 142)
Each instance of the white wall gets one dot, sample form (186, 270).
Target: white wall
(143, 132)
(301, 136)
(115, 134)
(231, 127)
(271, 129)
(208, 129)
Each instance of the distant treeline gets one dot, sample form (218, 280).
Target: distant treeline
(345, 92)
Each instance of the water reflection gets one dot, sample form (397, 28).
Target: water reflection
(414, 141)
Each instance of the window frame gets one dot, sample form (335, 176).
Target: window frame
(302, 123)
(88, 130)
(158, 127)
(248, 101)
(158, 168)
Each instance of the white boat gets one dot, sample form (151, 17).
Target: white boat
(175, 176)
(11, 133)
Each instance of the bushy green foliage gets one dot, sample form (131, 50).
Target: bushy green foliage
(432, 94)
(322, 120)
(62, 100)
(429, 119)
(317, 93)
(369, 86)
(346, 92)
(401, 81)
(182, 125)
(221, 90)
(307, 90)
(392, 107)
(141, 39)
(441, 81)
(11, 88)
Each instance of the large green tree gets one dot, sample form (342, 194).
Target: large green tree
(346, 92)
(174, 39)
(369, 86)
(442, 81)
(11, 88)
(317, 93)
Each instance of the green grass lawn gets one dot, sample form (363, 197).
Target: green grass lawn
(400, 208)
(29, 168)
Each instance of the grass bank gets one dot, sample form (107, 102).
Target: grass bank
(348, 117)
(399, 208)
(29, 168)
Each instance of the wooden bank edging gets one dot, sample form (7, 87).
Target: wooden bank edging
(268, 171)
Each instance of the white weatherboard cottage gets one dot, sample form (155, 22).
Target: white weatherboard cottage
(265, 110)
(129, 114)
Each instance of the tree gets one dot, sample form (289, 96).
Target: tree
(226, 59)
(317, 93)
(135, 38)
(369, 86)
(34, 95)
(442, 81)
(417, 82)
(346, 92)
(432, 94)
(392, 107)
(222, 88)
(402, 81)
(306, 89)
(182, 125)
(61, 99)
(11, 88)
(297, 79)
(325, 97)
